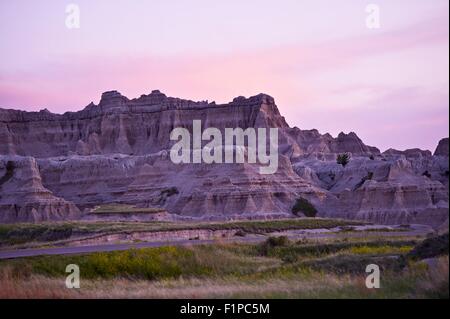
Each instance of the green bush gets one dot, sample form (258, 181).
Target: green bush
(343, 159)
(431, 247)
(302, 205)
(273, 242)
(277, 241)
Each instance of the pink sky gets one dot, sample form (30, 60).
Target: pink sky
(324, 67)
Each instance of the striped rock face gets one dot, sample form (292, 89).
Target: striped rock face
(56, 167)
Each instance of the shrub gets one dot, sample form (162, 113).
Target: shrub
(431, 247)
(427, 174)
(302, 205)
(170, 191)
(277, 241)
(368, 177)
(9, 172)
(240, 233)
(273, 242)
(343, 159)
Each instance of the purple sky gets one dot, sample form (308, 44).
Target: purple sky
(324, 67)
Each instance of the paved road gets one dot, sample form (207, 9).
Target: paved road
(70, 250)
(18, 253)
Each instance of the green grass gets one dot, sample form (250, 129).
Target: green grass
(124, 209)
(277, 268)
(357, 246)
(380, 250)
(23, 233)
(148, 263)
(237, 259)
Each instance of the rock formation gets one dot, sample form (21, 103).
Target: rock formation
(442, 148)
(24, 198)
(53, 166)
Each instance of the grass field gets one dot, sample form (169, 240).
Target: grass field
(124, 209)
(276, 268)
(16, 234)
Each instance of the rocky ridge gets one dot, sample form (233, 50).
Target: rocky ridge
(56, 166)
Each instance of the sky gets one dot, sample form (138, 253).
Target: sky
(323, 65)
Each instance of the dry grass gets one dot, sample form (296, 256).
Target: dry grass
(435, 282)
(233, 271)
(43, 287)
(315, 285)
(277, 268)
(32, 287)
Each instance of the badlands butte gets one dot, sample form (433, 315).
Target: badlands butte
(111, 161)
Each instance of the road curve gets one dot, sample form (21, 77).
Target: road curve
(19, 253)
(71, 250)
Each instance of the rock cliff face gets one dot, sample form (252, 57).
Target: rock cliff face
(197, 190)
(119, 125)
(442, 148)
(23, 197)
(54, 166)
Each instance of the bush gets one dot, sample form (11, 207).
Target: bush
(273, 242)
(368, 177)
(277, 241)
(240, 233)
(170, 191)
(343, 159)
(9, 172)
(427, 174)
(302, 205)
(431, 247)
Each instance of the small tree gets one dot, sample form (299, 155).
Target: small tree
(302, 205)
(343, 159)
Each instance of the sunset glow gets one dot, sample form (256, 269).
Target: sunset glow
(318, 59)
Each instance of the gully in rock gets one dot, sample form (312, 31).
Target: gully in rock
(214, 151)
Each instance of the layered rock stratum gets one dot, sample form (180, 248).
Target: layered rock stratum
(60, 166)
